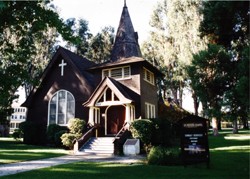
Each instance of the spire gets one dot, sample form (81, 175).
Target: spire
(126, 40)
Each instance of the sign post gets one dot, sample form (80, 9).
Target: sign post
(194, 140)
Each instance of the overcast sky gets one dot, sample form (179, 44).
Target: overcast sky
(101, 13)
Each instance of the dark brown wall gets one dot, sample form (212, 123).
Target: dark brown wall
(80, 89)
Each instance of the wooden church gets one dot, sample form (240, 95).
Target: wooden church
(108, 94)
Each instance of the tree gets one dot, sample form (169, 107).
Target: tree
(100, 45)
(227, 24)
(209, 73)
(173, 40)
(97, 47)
(23, 28)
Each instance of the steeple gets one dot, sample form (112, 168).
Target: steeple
(126, 40)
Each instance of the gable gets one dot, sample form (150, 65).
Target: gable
(108, 92)
(65, 70)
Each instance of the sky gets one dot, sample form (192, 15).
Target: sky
(101, 13)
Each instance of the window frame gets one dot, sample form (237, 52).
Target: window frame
(65, 108)
(149, 110)
(147, 73)
(124, 73)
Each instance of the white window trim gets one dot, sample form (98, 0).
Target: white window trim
(152, 76)
(57, 97)
(122, 75)
(149, 110)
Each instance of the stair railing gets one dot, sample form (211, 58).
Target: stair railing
(86, 136)
(121, 130)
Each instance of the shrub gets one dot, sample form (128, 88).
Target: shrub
(76, 125)
(57, 138)
(142, 129)
(51, 131)
(68, 138)
(17, 134)
(164, 132)
(163, 156)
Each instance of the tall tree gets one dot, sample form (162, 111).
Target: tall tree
(227, 23)
(173, 40)
(100, 45)
(23, 26)
(210, 78)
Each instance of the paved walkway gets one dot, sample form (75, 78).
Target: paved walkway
(13, 168)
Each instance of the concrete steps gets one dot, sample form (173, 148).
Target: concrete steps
(99, 145)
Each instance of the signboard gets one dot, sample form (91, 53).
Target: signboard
(194, 140)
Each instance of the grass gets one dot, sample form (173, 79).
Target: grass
(15, 151)
(229, 155)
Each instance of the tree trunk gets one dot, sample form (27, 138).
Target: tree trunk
(219, 124)
(245, 123)
(215, 126)
(235, 127)
(196, 103)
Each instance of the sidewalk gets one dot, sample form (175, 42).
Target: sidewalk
(13, 168)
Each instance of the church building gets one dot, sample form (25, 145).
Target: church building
(108, 94)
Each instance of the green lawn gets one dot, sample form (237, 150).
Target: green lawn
(229, 160)
(14, 151)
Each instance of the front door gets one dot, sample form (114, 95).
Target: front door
(115, 119)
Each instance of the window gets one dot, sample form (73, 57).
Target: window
(148, 76)
(149, 110)
(61, 108)
(117, 73)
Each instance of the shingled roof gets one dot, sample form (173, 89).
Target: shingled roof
(126, 40)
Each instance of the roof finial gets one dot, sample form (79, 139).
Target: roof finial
(125, 3)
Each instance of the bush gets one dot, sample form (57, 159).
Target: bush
(52, 130)
(164, 132)
(142, 129)
(17, 134)
(57, 138)
(76, 125)
(163, 156)
(68, 138)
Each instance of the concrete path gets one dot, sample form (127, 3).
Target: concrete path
(13, 168)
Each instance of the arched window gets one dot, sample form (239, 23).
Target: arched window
(61, 108)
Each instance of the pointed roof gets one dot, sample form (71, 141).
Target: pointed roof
(79, 64)
(126, 40)
(115, 86)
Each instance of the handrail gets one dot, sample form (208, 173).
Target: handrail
(124, 125)
(88, 132)
(79, 142)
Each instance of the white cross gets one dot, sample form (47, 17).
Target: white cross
(62, 66)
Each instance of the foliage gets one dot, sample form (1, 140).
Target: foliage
(17, 134)
(57, 138)
(27, 34)
(226, 22)
(100, 45)
(142, 129)
(76, 127)
(68, 139)
(164, 156)
(209, 77)
(164, 132)
(95, 47)
(174, 38)
(52, 131)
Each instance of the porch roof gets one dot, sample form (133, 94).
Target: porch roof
(115, 87)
